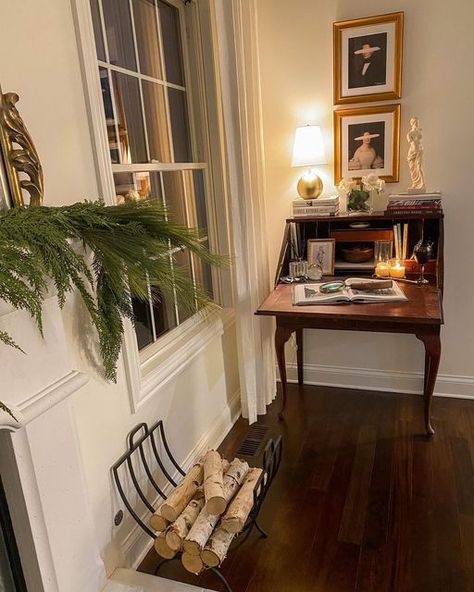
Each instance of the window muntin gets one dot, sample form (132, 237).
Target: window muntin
(148, 127)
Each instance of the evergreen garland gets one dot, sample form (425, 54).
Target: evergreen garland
(130, 246)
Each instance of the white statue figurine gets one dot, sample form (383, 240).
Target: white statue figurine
(415, 156)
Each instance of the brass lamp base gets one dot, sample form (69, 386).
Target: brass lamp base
(309, 186)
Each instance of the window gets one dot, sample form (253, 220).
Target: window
(141, 58)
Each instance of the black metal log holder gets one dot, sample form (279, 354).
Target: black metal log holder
(142, 439)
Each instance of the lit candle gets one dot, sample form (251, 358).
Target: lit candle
(382, 269)
(397, 269)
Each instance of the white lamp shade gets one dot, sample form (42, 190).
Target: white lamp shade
(308, 148)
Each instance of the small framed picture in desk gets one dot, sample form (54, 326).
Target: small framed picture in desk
(322, 251)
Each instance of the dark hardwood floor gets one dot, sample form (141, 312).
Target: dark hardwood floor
(363, 501)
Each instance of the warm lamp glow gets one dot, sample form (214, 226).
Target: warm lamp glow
(308, 148)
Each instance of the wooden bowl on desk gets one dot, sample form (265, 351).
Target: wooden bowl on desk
(357, 254)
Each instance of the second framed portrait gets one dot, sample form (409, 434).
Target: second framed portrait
(367, 140)
(368, 55)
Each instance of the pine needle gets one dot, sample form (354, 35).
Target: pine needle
(131, 246)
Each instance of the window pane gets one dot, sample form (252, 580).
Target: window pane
(174, 196)
(156, 121)
(203, 274)
(118, 25)
(99, 41)
(182, 262)
(179, 125)
(156, 191)
(109, 116)
(164, 312)
(169, 18)
(132, 186)
(129, 114)
(143, 326)
(146, 29)
(196, 199)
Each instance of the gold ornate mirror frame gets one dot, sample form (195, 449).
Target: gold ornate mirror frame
(20, 165)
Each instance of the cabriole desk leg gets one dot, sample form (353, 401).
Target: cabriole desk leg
(282, 334)
(432, 345)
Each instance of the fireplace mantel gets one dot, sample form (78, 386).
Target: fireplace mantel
(35, 381)
(40, 458)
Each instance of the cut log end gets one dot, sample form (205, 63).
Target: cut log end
(158, 522)
(216, 548)
(192, 563)
(162, 547)
(216, 505)
(233, 525)
(174, 541)
(209, 558)
(191, 547)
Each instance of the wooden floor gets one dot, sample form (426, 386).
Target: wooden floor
(363, 501)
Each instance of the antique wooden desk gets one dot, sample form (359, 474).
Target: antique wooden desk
(421, 315)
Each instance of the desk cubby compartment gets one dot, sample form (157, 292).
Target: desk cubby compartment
(379, 227)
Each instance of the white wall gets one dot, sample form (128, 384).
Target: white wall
(296, 71)
(40, 61)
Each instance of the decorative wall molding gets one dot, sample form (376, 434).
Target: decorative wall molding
(447, 385)
(137, 544)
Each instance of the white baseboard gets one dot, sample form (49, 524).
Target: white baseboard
(447, 385)
(137, 543)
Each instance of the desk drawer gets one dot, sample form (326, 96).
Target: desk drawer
(361, 235)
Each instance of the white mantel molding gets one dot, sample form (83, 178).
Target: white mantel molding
(42, 401)
(35, 381)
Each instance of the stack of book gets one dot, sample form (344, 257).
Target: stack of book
(322, 206)
(406, 204)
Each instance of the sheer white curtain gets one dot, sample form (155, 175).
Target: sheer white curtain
(237, 33)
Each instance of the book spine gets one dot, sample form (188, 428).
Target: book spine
(315, 210)
(412, 212)
(313, 214)
(415, 204)
(405, 197)
(304, 203)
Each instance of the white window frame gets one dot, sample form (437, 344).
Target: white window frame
(151, 368)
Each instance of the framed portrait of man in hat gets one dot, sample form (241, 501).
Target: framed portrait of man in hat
(368, 59)
(367, 140)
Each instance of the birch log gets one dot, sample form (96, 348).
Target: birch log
(157, 521)
(216, 548)
(205, 522)
(240, 507)
(214, 483)
(162, 547)
(182, 495)
(177, 531)
(192, 563)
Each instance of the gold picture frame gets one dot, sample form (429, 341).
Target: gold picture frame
(368, 65)
(380, 125)
(326, 258)
(21, 173)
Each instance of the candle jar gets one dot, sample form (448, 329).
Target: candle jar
(383, 254)
(382, 269)
(397, 268)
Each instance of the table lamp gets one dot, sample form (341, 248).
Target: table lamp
(308, 150)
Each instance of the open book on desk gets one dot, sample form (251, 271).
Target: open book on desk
(306, 294)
